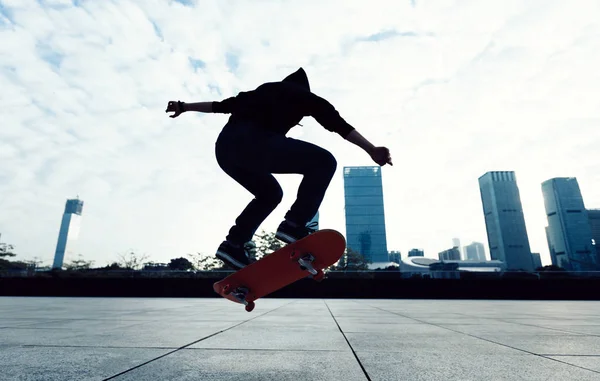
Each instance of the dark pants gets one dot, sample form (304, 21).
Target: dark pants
(250, 155)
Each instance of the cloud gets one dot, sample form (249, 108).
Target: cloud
(455, 89)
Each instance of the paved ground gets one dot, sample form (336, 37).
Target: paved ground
(285, 339)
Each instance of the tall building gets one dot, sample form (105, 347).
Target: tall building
(569, 230)
(475, 252)
(450, 255)
(365, 219)
(504, 220)
(551, 248)
(594, 216)
(395, 256)
(69, 230)
(416, 253)
(537, 260)
(456, 243)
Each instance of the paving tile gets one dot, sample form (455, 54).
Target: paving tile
(33, 336)
(550, 344)
(415, 329)
(66, 364)
(431, 344)
(299, 339)
(505, 328)
(588, 362)
(250, 365)
(467, 366)
(276, 339)
(149, 335)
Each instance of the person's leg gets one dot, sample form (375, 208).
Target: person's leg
(236, 150)
(287, 155)
(267, 195)
(239, 154)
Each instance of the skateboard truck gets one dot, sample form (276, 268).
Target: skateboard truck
(240, 294)
(306, 263)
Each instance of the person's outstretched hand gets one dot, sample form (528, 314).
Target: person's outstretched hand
(176, 107)
(381, 155)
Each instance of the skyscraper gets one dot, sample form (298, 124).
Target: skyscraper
(475, 252)
(594, 216)
(537, 260)
(395, 256)
(450, 255)
(69, 230)
(569, 231)
(365, 219)
(416, 253)
(504, 220)
(456, 243)
(552, 252)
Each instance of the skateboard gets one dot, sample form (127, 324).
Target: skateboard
(305, 257)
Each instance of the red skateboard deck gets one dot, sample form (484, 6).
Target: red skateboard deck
(280, 268)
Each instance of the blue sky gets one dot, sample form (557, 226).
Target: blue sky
(454, 88)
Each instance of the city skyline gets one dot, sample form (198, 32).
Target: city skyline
(74, 207)
(454, 90)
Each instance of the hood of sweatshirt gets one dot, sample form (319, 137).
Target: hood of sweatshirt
(298, 77)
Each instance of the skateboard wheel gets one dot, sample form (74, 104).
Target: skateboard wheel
(319, 276)
(250, 306)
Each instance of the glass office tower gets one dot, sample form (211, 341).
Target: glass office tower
(365, 220)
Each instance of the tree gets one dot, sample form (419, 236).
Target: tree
(353, 261)
(79, 264)
(203, 262)
(180, 264)
(265, 244)
(131, 260)
(6, 250)
(112, 266)
(35, 262)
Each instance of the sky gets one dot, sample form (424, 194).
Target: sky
(453, 88)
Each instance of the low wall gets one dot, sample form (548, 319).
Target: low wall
(344, 287)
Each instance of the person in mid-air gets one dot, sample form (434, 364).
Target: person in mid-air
(253, 145)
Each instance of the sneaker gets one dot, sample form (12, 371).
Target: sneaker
(289, 234)
(235, 257)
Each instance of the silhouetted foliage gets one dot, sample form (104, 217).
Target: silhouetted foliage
(550, 268)
(6, 250)
(132, 260)
(79, 264)
(352, 261)
(203, 262)
(265, 244)
(180, 264)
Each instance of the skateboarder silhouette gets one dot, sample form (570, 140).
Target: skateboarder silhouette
(253, 146)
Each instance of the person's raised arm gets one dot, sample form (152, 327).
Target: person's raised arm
(380, 155)
(179, 107)
(223, 107)
(327, 116)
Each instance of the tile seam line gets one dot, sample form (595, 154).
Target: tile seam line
(348, 342)
(192, 343)
(493, 342)
(533, 325)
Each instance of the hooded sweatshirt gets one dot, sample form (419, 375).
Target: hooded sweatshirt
(279, 106)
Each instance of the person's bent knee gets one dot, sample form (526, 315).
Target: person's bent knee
(271, 198)
(329, 163)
